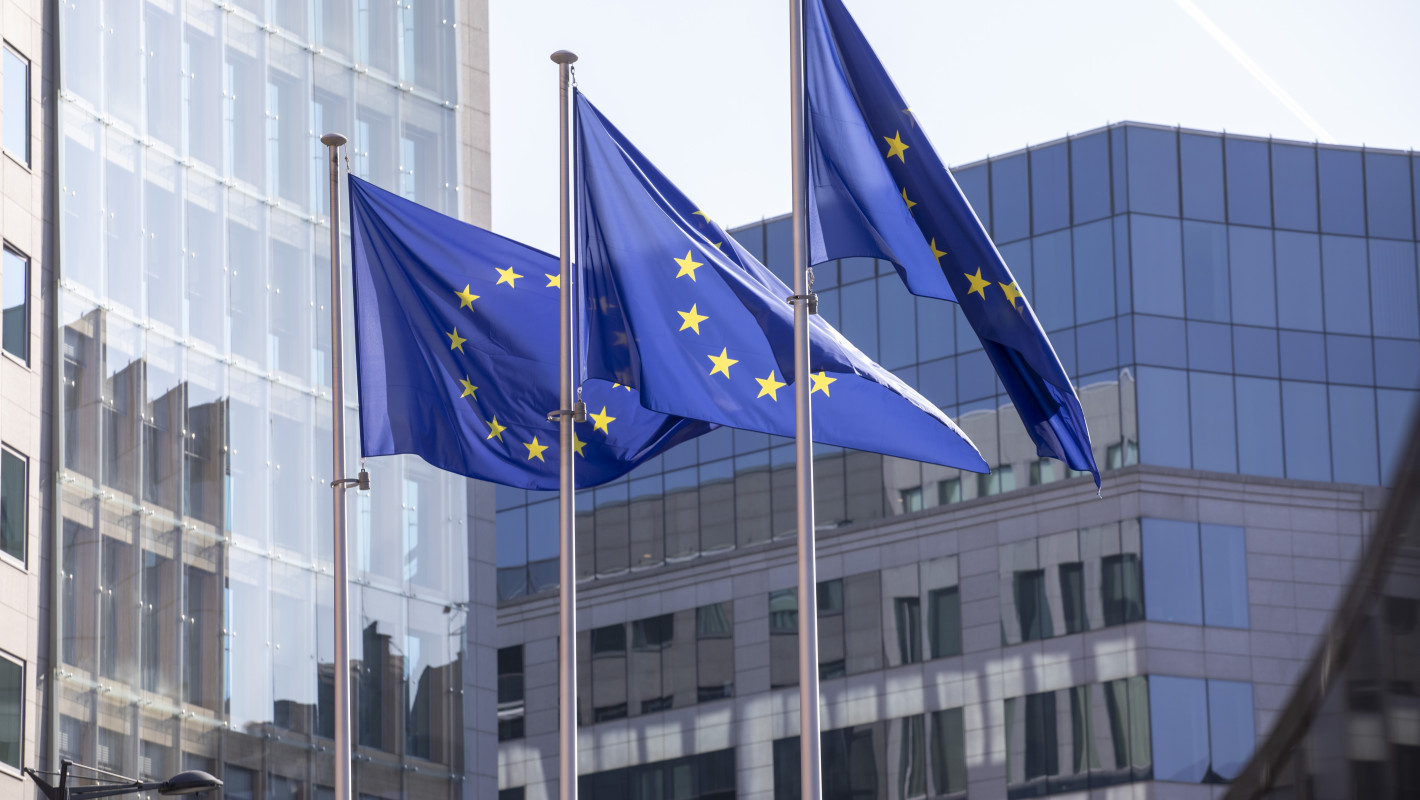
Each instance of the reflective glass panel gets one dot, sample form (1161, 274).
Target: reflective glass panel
(1089, 176)
(1160, 341)
(1303, 355)
(1210, 346)
(1172, 582)
(1397, 363)
(1388, 201)
(1179, 710)
(1393, 290)
(1259, 412)
(1214, 438)
(1201, 159)
(1253, 281)
(1342, 199)
(1394, 410)
(1054, 277)
(1094, 271)
(1230, 727)
(1157, 258)
(1294, 186)
(1050, 188)
(1224, 551)
(12, 716)
(1163, 410)
(1205, 271)
(1344, 280)
(1299, 303)
(1354, 456)
(1010, 207)
(1304, 419)
(1153, 171)
(1348, 359)
(1255, 351)
(1249, 184)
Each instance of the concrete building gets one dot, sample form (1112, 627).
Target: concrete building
(1242, 319)
(165, 602)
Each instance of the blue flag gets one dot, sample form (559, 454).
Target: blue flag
(680, 311)
(877, 189)
(456, 344)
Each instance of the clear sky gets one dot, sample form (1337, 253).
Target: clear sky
(702, 87)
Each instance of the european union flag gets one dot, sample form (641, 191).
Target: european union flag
(679, 310)
(456, 344)
(877, 188)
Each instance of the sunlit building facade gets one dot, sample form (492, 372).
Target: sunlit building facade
(175, 329)
(1241, 318)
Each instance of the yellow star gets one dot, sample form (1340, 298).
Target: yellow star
(821, 382)
(910, 203)
(1012, 292)
(703, 214)
(577, 445)
(619, 386)
(508, 276)
(535, 450)
(495, 430)
(688, 266)
(978, 283)
(722, 363)
(455, 340)
(937, 254)
(553, 280)
(466, 298)
(692, 318)
(717, 245)
(602, 422)
(910, 116)
(468, 389)
(770, 386)
(896, 147)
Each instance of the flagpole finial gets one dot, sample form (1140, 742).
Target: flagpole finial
(564, 57)
(333, 140)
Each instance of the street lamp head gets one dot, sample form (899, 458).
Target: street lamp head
(189, 782)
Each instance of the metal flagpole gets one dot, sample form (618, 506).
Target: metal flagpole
(343, 751)
(571, 411)
(804, 304)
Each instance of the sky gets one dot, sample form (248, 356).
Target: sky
(702, 87)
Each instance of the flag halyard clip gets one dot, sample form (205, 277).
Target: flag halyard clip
(811, 297)
(362, 482)
(578, 413)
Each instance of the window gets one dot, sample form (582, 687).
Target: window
(907, 616)
(17, 105)
(12, 710)
(1001, 479)
(510, 693)
(14, 497)
(1072, 596)
(1078, 738)
(1205, 730)
(715, 652)
(15, 271)
(1032, 606)
(1195, 575)
(947, 744)
(910, 499)
(1120, 589)
(608, 672)
(706, 776)
(949, 491)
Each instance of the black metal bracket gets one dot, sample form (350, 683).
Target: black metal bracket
(811, 297)
(578, 413)
(362, 483)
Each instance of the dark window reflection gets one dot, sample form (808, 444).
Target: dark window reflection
(510, 693)
(1153, 171)
(1032, 607)
(1340, 188)
(705, 776)
(1010, 192)
(1201, 160)
(1249, 182)
(1294, 186)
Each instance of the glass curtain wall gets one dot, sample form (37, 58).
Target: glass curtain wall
(194, 500)
(1222, 303)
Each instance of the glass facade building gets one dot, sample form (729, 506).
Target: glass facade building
(1242, 320)
(1224, 303)
(194, 423)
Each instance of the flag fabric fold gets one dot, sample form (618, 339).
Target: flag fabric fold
(456, 347)
(680, 311)
(878, 189)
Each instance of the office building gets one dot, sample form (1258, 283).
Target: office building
(167, 398)
(1242, 320)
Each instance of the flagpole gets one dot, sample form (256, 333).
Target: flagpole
(569, 408)
(803, 301)
(343, 746)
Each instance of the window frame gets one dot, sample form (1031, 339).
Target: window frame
(10, 249)
(23, 561)
(5, 767)
(23, 159)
